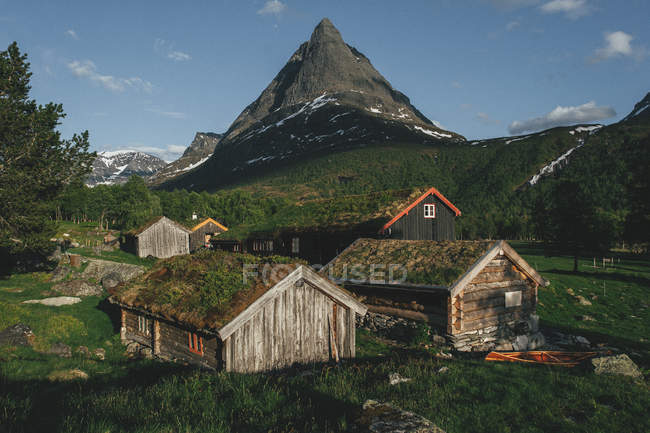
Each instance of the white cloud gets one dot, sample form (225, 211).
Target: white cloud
(87, 69)
(512, 25)
(176, 148)
(570, 8)
(170, 114)
(167, 153)
(456, 85)
(179, 56)
(272, 7)
(72, 34)
(486, 118)
(618, 44)
(562, 116)
(466, 106)
(166, 49)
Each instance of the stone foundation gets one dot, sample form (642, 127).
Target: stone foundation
(514, 335)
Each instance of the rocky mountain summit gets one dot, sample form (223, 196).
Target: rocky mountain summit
(327, 98)
(201, 148)
(115, 167)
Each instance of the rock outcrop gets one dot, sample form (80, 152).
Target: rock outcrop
(380, 417)
(17, 335)
(328, 97)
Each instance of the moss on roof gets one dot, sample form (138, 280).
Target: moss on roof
(425, 262)
(206, 289)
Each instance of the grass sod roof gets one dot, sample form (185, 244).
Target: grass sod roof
(205, 290)
(431, 263)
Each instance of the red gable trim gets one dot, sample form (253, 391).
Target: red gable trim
(415, 203)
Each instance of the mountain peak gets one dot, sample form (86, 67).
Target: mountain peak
(326, 32)
(328, 97)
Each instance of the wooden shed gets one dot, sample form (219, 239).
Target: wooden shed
(481, 295)
(197, 309)
(203, 233)
(160, 237)
(429, 217)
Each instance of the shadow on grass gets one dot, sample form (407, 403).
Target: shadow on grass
(611, 276)
(45, 402)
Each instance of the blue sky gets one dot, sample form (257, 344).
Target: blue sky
(149, 74)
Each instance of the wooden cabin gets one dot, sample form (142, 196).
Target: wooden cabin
(160, 237)
(203, 233)
(481, 295)
(283, 314)
(429, 217)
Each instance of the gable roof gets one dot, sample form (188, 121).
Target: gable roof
(209, 220)
(206, 290)
(301, 272)
(152, 222)
(430, 191)
(448, 265)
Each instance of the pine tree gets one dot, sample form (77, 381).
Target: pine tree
(35, 162)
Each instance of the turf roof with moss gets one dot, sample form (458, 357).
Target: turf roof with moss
(432, 263)
(205, 290)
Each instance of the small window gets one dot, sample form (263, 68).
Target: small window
(513, 299)
(295, 245)
(143, 325)
(195, 343)
(429, 210)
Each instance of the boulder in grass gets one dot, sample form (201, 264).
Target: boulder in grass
(57, 301)
(100, 354)
(395, 378)
(385, 418)
(67, 375)
(17, 335)
(111, 280)
(60, 350)
(616, 364)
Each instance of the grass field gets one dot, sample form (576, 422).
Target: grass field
(473, 396)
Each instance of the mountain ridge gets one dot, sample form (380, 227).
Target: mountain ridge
(327, 98)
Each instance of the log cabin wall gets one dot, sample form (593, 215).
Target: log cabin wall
(163, 239)
(293, 327)
(175, 345)
(169, 340)
(131, 331)
(414, 226)
(478, 315)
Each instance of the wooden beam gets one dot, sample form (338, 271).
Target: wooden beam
(156, 337)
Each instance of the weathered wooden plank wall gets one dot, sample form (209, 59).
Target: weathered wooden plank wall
(293, 327)
(414, 226)
(163, 240)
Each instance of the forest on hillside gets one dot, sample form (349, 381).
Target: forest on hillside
(598, 199)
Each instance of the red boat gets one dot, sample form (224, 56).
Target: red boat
(565, 359)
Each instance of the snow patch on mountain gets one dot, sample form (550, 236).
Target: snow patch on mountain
(589, 129)
(434, 134)
(550, 168)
